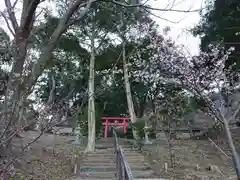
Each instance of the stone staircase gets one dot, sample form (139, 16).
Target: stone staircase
(101, 164)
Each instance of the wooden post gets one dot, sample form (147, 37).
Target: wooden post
(166, 167)
(106, 128)
(124, 126)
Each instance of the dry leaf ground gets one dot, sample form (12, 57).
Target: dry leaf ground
(49, 158)
(192, 159)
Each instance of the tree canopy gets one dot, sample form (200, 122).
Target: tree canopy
(219, 24)
(91, 50)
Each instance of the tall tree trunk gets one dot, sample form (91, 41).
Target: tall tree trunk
(128, 90)
(171, 153)
(91, 103)
(235, 155)
(19, 87)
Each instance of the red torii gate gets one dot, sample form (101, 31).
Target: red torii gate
(107, 123)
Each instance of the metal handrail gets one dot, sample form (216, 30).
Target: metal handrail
(123, 169)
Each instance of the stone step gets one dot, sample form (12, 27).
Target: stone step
(112, 161)
(99, 163)
(136, 174)
(109, 159)
(111, 150)
(101, 150)
(101, 153)
(132, 153)
(83, 178)
(111, 139)
(120, 141)
(127, 148)
(135, 158)
(105, 168)
(151, 179)
(110, 145)
(99, 157)
(79, 178)
(143, 174)
(110, 156)
(100, 169)
(112, 165)
(99, 175)
(103, 160)
(105, 146)
(135, 161)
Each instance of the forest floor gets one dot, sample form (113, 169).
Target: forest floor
(50, 157)
(192, 159)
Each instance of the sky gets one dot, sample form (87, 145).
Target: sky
(178, 22)
(183, 21)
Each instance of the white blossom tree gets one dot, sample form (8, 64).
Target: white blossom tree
(202, 76)
(24, 71)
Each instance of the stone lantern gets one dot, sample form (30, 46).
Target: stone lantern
(146, 132)
(78, 133)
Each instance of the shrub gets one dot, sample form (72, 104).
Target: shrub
(139, 127)
(83, 120)
(128, 134)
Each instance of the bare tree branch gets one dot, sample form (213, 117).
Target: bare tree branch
(148, 11)
(7, 22)
(62, 26)
(87, 7)
(155, 9)
(234, 114)
(28, 15)
(12, 15)
(218, 147)
(14, 4)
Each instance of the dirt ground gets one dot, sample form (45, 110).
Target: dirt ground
(49, 158)
(52, 158)
(191, 162)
